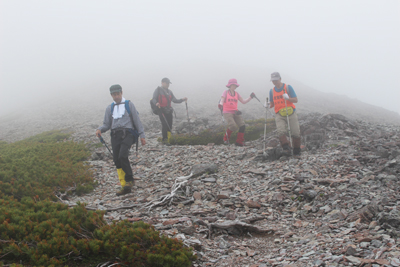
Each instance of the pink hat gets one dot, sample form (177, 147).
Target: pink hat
(232, 81)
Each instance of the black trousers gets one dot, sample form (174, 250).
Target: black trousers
(165, 127)
(121, 142)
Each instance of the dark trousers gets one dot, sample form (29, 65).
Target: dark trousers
(165, 127)
(121, 142)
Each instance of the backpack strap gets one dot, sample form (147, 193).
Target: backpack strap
(128, 109)
(285, 87)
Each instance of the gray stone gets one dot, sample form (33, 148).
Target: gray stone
(376, 243)
(190, 230)
(325, 208)
(310, 194)
(200, 169)
(354, 260)
(209, 180)
(96, 156)
(391, 219)
(163, 212)
(276, 181)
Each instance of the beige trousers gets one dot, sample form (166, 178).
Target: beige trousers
(281, 124)
(234, 121)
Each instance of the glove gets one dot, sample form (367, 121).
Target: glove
(286, 96)
(252, 95)
(220, 107)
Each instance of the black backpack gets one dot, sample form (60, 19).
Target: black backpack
(153, 106)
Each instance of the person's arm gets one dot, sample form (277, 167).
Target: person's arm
(223, 97)
(106, 122)
(173, 99)
(241, 99)
(222, 101)
(136, 120)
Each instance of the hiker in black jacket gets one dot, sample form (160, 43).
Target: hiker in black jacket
(118, 119)
(162, 98)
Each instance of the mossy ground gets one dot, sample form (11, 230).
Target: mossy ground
(37, 231)
(254, 130)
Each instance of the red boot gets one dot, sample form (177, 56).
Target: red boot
(240, 139)
(227, 136)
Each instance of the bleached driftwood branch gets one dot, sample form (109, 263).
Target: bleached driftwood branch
(179, 182)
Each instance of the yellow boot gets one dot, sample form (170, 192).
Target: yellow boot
(121, 176)
(126, 186)
(169, 137)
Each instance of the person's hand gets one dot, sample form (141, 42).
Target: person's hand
(98, 133)
(252, 95)
(220, 107)
(286, 96)
(143, 141)
(184, 99)
(158, 105)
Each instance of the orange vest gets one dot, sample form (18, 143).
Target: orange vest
(231, 102)
(279, 101)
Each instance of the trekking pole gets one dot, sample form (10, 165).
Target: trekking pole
(265, 124)
(187, 112)
(170, 130)
(166, 122)
(253, 95)
(288, 123)
(226, 132)
(104, 142)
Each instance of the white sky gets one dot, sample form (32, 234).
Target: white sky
(52, 48)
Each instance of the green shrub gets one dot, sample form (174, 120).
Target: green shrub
(37, 231)
(254, 130)
(40, 160)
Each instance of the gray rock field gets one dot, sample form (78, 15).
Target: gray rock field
(338, 204)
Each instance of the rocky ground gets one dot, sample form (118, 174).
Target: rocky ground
(335, 205)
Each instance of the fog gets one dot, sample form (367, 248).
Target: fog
(74, 50)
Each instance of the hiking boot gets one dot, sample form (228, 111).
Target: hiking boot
(286, 150)
(240, 139)
(126, 189)
(129, 185)
(296, 146)
(227, 136)
(166, 142)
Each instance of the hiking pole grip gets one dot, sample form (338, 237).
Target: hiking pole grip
(257, 98)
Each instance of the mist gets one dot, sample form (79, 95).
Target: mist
(75, 50)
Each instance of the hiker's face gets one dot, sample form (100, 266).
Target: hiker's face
(277, 83)
(233, 87)
(117, 96)
(165, 85)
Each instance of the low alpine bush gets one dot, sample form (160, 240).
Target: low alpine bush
(254, 130)
(37, 231)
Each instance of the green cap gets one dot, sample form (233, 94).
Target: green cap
(115, 88)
